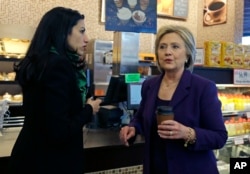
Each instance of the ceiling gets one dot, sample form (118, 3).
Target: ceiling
(246, 25)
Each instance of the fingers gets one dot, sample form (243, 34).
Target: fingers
(168, 122)
(95, 103)
(98, 100)
(170, 134)
(170, 130)
(125, 134)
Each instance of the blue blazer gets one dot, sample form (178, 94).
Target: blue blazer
(195, 104)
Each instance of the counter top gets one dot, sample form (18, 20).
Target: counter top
(7, 139)
(92, 138)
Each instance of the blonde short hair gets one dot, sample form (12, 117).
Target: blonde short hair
(186, 36)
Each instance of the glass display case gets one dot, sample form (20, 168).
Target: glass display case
(236, 111)
(236, 147)
(235, 101)
(11, 92)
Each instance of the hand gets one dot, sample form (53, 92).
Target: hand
(171, 129)
(126, 133)
(95, 104)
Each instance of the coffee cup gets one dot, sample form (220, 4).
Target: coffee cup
(118, 3)
(216, 10)
(164, 113)
(124, 14)
(144, 4)
(132, 3)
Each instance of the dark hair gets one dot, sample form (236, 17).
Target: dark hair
(52, 31)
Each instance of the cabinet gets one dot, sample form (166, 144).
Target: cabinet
(235, 107)
(10, 90)
(236, 147)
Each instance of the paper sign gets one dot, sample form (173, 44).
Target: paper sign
(241, 76)
(132, 77)
(238, 141)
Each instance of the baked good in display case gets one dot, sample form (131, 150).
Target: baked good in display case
(12, 99)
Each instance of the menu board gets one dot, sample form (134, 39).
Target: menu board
(138, 16)
(173, 8)
(181, 8)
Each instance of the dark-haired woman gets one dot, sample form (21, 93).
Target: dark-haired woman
(54, 97)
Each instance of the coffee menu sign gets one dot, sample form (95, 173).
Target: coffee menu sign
(173, 8)
(131, 16)
(215, 12)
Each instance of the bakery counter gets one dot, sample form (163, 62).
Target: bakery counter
(102, 149)
(7, 139)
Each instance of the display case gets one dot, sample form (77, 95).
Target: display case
(236, 117)
(10, 91)
(236, 147)
(235, 101)
(12, 50)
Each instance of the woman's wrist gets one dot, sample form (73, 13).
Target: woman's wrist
(190, 137)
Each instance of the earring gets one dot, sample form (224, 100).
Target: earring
(186, 61)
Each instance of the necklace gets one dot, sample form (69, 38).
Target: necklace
(167, 85)
(171, 84)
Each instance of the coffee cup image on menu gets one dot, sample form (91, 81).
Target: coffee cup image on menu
(144, 4)
(118, 3)
(139, 17)
(124, 14)
(132, 3)
(215, 11)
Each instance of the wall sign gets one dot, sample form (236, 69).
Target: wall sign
(199, 59)
(215, 12)
(241, 76)
(173, 8)
(138, 16)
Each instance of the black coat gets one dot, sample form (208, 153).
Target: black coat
(51, 140)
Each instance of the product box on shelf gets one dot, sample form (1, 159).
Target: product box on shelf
(227, 54)
(238, 56)
(212, 53)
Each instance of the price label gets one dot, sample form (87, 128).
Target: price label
(199, 60)
(248, 114)
(238, 141)
(241, 76)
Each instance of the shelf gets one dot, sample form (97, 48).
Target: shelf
(218, 75)
(8, 82)
(223, 86)
(9, 59)
(12, 104)
(235, 112)
(238, 140)
(13, 121)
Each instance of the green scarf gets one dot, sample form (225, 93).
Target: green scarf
(80, 74)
